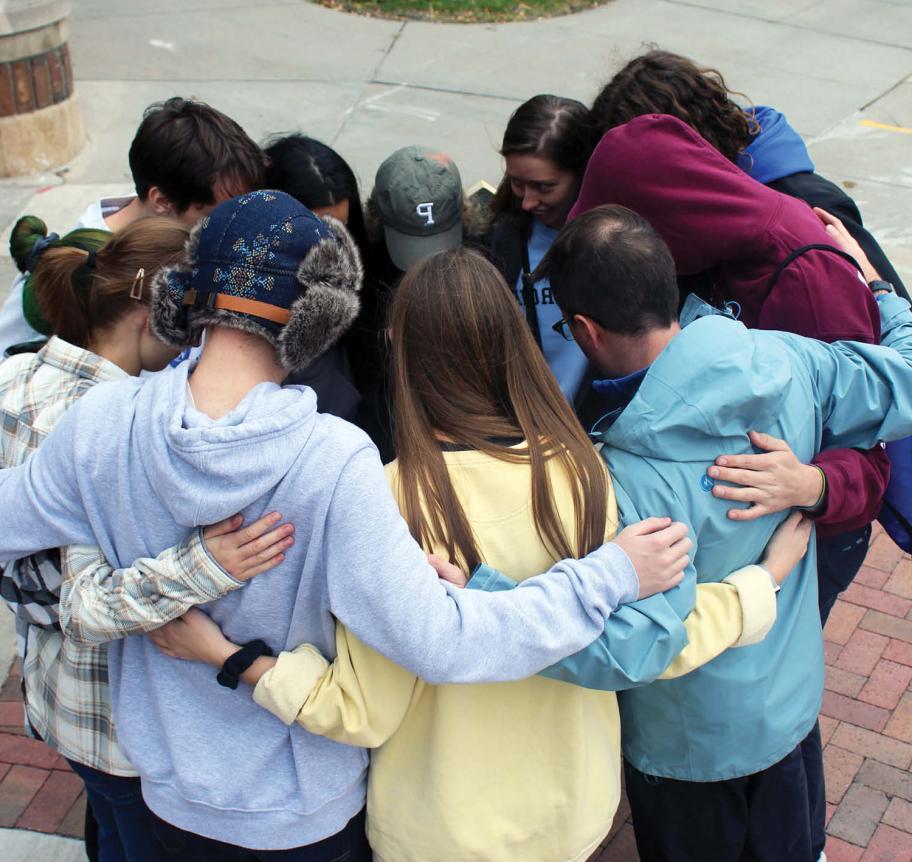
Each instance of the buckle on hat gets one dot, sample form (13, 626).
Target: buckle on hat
(252, 307)
(197, 299)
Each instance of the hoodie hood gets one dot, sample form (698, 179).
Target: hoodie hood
(711, 383)
(776, 151)
(716, 218)
(705, 208)
(204, 470)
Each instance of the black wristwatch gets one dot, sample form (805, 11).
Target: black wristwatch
(880, 287)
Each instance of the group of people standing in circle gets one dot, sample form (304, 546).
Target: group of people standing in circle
(645, 321)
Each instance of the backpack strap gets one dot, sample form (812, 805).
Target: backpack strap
(529, 295)
(798, 252)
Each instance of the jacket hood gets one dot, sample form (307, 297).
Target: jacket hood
(706, 209)
(716, 218)
(776, 151)
(712, 384)
(204, 470)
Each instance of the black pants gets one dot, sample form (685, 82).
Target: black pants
(839, 559)
(349, 845)
(758, 818)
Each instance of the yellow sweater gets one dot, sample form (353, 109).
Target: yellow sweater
(527, 771)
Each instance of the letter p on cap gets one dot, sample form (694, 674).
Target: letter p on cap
(426, 211)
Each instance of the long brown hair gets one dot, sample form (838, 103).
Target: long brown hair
(466, 369)
(660, 82)
(80, 295)
(553, 128)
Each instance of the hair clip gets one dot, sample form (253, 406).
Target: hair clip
(90, 259)
(137, 288)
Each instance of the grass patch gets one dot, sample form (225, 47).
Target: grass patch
(463, 11)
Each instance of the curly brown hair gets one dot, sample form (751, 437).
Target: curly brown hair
(660, 82)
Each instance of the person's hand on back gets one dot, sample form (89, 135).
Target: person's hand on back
(245, 552)
(842, 238)
(658, 550)
(193, 637)
(447, 571)
(770, 483)
(787, 546)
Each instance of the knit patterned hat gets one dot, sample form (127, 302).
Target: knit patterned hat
(265, 264)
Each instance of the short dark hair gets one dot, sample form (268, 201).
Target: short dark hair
(610, 265)
(187, 149)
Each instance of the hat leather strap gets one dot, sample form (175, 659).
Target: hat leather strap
(238, 303)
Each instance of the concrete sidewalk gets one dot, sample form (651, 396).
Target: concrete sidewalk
(368, 86)
(840, 69)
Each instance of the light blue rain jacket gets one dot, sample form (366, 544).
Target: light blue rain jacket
(717, 380)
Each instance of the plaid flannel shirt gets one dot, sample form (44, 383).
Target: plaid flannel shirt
(68, 702)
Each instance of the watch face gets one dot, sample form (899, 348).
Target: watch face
(880, 286)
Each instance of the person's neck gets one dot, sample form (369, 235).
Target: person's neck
(134, 210)
(632, 353)
(232, 363)
(120, 347)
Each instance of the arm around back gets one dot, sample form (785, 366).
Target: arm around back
(864, 391)
(40, 500)
(99, 603)
(382, 588)
(358, 699)
(818, 191)
(644, 641)
(856, 483)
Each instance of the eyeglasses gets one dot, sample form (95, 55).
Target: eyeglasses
(559, 328)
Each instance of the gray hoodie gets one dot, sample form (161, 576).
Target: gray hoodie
(133, 465)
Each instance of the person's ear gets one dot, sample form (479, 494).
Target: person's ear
(159, 202)
(586, 332)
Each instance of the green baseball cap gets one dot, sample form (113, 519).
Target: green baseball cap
(418, 192)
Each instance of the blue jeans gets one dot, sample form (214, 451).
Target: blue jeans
(348, 845)
(124, 821)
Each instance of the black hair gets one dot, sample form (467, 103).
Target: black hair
(610, 265)
(552, 128)
(317, 176)
(187, 150)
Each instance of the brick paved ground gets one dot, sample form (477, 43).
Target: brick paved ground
(37, 789)
(866, 723)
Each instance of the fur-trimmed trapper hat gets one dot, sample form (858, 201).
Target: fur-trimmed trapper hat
(265, 264)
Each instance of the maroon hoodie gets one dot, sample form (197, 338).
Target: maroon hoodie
(715, 217)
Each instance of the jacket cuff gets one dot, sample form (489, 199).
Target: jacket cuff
(201, 571)
(489, 580)
(285, 687)
(820, 505)
(622, 570)
(758, 603)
